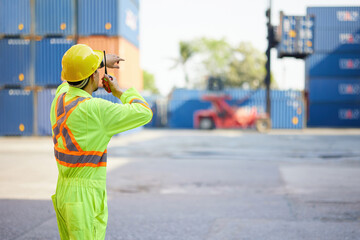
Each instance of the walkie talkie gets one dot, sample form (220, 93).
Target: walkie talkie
(105, 81)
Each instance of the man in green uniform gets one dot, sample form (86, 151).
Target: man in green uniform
(82, 128)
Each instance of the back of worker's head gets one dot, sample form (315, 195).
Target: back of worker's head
(79, 63)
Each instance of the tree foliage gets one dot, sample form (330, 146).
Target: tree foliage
(186, 51)
(239, 66)
(149, 82)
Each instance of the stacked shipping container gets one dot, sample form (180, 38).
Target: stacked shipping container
(115, 29)
(333, 71)
(35, 34)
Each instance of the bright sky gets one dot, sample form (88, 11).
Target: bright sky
(163, 23)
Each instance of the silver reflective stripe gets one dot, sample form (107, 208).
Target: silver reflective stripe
(60, 111)
(60, 105)
(74, 159)
(139, 101)
(69, 144)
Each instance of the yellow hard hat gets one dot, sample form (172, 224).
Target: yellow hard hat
(79, 62)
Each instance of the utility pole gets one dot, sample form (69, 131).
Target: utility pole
(270, 36)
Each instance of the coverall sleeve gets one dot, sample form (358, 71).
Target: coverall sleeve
(134, 112)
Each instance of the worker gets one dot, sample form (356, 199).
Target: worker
(82, 127)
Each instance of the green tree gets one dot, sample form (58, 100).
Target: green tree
(247, 66)
(186, 51)
(149, 82)
(238, 66)
(216, 55)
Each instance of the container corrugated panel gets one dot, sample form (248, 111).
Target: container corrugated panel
(181, 113)
(113, 18)
(333, 65)
(297, 36)
(54, 17)
(337, 41)
(334, 90)
(44, 100)
(15, 17)
(287, 114)
(130, 73)
(287, 109)
(129, 21)
(237, 94)
(15, 62)
(49, 53)
(334, 115)
(16, 107)
(331, 18)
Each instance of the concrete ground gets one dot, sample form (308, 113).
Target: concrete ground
(194, 185)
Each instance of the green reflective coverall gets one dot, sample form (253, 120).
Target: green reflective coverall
(82, 128)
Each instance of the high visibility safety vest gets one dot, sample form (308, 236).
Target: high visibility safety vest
(72, 155)
(83, 126)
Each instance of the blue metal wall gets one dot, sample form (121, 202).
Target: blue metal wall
(333, 65)
(333, 71)
(337, 90)
(341, 18)
(16, 107)
(287, 107)
(48, 56)
(337, 41)
(109, 17)
(44, 101)
(54, 17)
(334, 115)
(15, 62)
(15, 17)
(129, 21)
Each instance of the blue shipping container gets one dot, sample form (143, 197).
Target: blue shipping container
(334, 90)
(334, 115)
(49, 53)
(54, 17)
(297, 36)
(235, 93)
(15, 17)
(15, 62)
(16, 107)
(286, 113)
(337, 41)
(333, 65)
(113, 18)
(340, 18)
(44, 101)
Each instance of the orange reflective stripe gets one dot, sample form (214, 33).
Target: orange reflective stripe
(137, 100)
